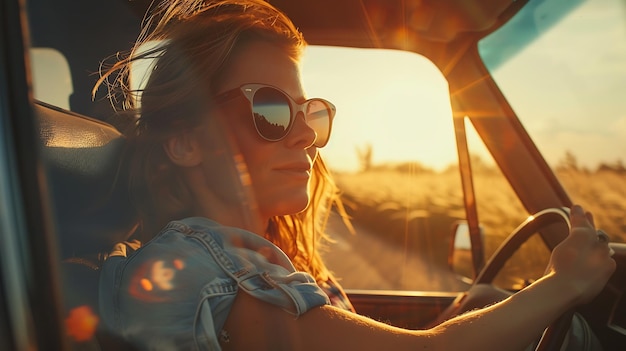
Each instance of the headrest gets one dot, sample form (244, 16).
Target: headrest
(86, 181)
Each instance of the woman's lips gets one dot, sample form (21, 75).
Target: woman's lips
(296, 169)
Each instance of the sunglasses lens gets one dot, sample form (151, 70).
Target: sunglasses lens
(271, 113)
(318, 118)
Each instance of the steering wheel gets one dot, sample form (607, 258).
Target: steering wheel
(554, 335)
(483, 292)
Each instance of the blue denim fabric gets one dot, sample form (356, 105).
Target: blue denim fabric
(176, 291)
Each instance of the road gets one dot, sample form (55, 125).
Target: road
(364, 261)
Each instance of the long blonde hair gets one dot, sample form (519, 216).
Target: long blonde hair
(196, 39)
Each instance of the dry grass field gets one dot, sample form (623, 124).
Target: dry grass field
(415, 207)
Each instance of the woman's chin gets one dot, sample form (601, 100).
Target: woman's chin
(293, 206)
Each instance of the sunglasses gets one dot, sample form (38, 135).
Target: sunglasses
(274, 112)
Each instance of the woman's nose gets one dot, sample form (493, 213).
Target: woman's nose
(301, 134)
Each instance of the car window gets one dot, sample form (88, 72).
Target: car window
(393, 154)
(52, 80)
(567, 87)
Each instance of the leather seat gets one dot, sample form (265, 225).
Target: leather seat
(86, 179)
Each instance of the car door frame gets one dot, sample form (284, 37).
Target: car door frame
(29, 274)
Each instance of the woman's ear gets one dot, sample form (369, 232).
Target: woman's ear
(184, 149)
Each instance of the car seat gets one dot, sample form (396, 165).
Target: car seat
(90, 204)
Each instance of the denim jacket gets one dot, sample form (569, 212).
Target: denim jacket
(176, 291)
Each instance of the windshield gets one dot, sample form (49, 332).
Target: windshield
(566, 83)
(393, 156)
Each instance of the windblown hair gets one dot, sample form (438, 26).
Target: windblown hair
(193, 41)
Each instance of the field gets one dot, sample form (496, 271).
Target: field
(415, 208)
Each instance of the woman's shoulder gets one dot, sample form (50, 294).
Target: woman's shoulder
(182, 235)
(180, 260)
(191, 254)
(238, 244)
(192, 264)
(194, 243)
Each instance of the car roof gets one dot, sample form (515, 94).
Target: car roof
(87, 32)
(421, 26)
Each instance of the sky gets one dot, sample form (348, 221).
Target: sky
(570, 90)
(383, 98)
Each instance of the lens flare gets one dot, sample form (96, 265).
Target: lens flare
(81, 323)
(155, 277)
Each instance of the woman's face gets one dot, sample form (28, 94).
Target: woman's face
(279, 171)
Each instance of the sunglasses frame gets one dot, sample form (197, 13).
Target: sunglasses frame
(248, 91)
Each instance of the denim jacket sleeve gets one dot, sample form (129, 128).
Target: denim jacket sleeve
(176, 291)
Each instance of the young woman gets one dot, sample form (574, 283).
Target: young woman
(233, 197)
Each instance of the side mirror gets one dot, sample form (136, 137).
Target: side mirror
(460, 250)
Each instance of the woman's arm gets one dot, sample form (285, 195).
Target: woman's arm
(578, 270)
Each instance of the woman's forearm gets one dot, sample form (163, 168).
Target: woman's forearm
(512, 324)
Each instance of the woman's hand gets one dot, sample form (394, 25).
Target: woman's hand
(582, 263)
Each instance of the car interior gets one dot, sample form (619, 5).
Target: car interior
(82, 147)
